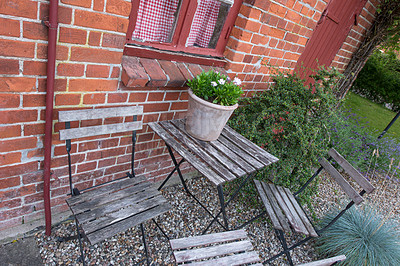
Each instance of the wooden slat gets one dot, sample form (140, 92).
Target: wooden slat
(275, 206)
(81, 132)
(139, 191)
(325, 262)
(189, 157)
(113, 206)
(221, 157)
(301, 214)
(196, 241)
(233, 260)
(124, 225)
(255, 147)
(289, 211)
(208, 159)
(341, 181)
(74, 115)
(203, 253)
(117, 216)
(268, 207)
(232, 146)
(105, 190)
(358, 177)
(228, 152)
(261, 153)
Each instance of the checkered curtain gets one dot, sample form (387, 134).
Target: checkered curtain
(156, 17)
(204, 22)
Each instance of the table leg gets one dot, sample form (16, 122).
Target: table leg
(227, 203)
(222, 203)
(185, 186)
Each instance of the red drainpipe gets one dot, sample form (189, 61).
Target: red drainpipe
(52, 24)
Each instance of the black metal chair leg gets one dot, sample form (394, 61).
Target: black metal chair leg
(281, 237)
(222, 203)
(159, 227)
(80, 242)
(145, 244)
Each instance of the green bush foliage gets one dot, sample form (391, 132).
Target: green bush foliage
(289, 121)
(216, 88)
(362, 236)
(379, 80)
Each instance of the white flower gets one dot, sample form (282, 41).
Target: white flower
(221, 81)
(214, 84)
(237, 81)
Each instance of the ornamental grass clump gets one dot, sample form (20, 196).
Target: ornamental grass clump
(363, 236)
(216, 88)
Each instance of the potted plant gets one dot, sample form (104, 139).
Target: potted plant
(212, 99)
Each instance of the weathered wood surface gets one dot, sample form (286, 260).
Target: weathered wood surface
(185, 153)
(301, 213)
(199, 151)
(87, 114)
(283, 209)
(228, 248)
(221, 157)
(325, 262)
(195, 241)
(115, 207)
(237, 259)
(129, 222)
(82, 132)
(249, 146)
(350, 191)
(349, 169)
(229, 157)
(276, 221)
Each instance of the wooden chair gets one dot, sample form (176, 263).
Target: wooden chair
(325, 262)
(112, 207)
(226, 248)
(287, 215)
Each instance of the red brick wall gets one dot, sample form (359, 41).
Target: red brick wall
(88, 74)
(274, 33)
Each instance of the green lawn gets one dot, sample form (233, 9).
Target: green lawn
(377, 116)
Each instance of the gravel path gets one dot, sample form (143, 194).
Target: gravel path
(189, 219)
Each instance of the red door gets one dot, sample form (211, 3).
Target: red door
(329, 35)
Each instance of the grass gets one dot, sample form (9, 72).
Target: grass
(376, 116)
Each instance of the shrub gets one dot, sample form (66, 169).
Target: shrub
(216, 88)
(363, 237)
(379, 80)
(289, 121)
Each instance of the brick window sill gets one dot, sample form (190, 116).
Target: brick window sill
(145, 72)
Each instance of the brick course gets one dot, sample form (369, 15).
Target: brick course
(89, 74)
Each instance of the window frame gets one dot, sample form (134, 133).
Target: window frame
(177, 48)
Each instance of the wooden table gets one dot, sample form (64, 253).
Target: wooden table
(229, 157)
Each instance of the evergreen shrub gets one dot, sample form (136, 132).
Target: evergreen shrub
(290, 121)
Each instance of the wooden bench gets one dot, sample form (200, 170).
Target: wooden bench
(287, 215)
(325, 262)
(113, 207)
(226, 248)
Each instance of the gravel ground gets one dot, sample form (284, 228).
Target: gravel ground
(189, 219)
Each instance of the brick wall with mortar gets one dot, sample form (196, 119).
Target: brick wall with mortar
(89, 74)
(275, 33)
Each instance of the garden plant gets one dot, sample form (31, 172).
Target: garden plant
(363, 236)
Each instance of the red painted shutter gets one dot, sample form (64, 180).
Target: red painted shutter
(329, 35)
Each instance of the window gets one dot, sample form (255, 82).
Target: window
(194, 27)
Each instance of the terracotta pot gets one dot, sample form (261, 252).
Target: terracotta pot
(206, 120)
